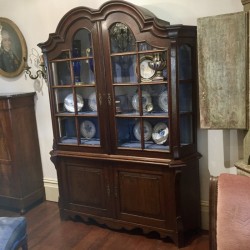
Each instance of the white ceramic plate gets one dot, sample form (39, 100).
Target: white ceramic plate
(69, 103)
(163, 101)
(146, 101)
(160, 133)
(146, 72)
(147, 131)
(88, 129)
(92, 102)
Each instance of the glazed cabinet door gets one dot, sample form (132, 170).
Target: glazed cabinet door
(141, 195)
(138, 85)
(75, 89)
(85, 186)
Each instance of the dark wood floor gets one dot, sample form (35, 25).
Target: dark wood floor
(47, 232)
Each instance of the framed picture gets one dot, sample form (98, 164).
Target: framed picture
(12, 50)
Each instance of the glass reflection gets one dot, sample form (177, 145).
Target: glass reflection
(186, 131)
(83, 67)
(67, 130)
(122, 38)
(124, 69)
(89, 131)
(155, 132)
(185, 63)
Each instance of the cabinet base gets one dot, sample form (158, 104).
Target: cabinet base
(180, 238)
(23, 204)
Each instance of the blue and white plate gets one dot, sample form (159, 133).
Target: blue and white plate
(147, 130)
(87, 129)
(92, 102)
(163, 101)
(69, 103)
(146, 101)
(160, 133)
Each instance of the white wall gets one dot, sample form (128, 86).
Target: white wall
(37, 18)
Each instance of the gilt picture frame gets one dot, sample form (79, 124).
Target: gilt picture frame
(13, 49)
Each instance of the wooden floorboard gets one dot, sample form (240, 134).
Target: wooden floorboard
(46, 231)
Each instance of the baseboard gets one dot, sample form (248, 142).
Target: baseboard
(205, 215)
(52, 194)
(51, 189)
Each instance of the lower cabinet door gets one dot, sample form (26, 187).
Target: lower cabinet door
(86, 187)
(140, 196)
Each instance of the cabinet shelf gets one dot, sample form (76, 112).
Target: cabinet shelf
(137, 115)
(80, 114)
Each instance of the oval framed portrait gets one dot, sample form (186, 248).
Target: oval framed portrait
(12, 50)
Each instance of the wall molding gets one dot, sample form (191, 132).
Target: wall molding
(51, 189)
(52, 194)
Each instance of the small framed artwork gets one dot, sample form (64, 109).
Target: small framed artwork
(12, 50)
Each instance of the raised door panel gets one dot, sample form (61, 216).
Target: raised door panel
(87, 187)
(140, 196)
(222, 54)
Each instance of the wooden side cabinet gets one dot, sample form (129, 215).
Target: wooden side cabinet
(21, 177)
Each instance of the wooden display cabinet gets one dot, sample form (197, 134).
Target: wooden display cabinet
(21, 177)
(122, 86)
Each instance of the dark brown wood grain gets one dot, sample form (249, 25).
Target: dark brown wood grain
(124, 187)
(21, 177)
(47, 231)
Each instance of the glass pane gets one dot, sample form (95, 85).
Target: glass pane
(185, 97)
(122, 38)
(88, 95)
(82, 43)
(67, 130)
(185, 62)
(61, 70)
(153, 67)
(125, 100)
(154, 131)
(160, 134)
(89, 131)
(125, 133)
(65, 101)
(83, 72)
(124, 69)
(155, 99)
(82, 47)
(186, 131)
(144, 46)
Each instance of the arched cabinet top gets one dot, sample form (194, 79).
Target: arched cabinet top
(145, 19)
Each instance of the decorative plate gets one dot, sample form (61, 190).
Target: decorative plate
(147, 130)
(92, 102)
(88, 129)
(160, 133)
(163, 101)
(146, 102)
(69, 103)
(146, 72)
